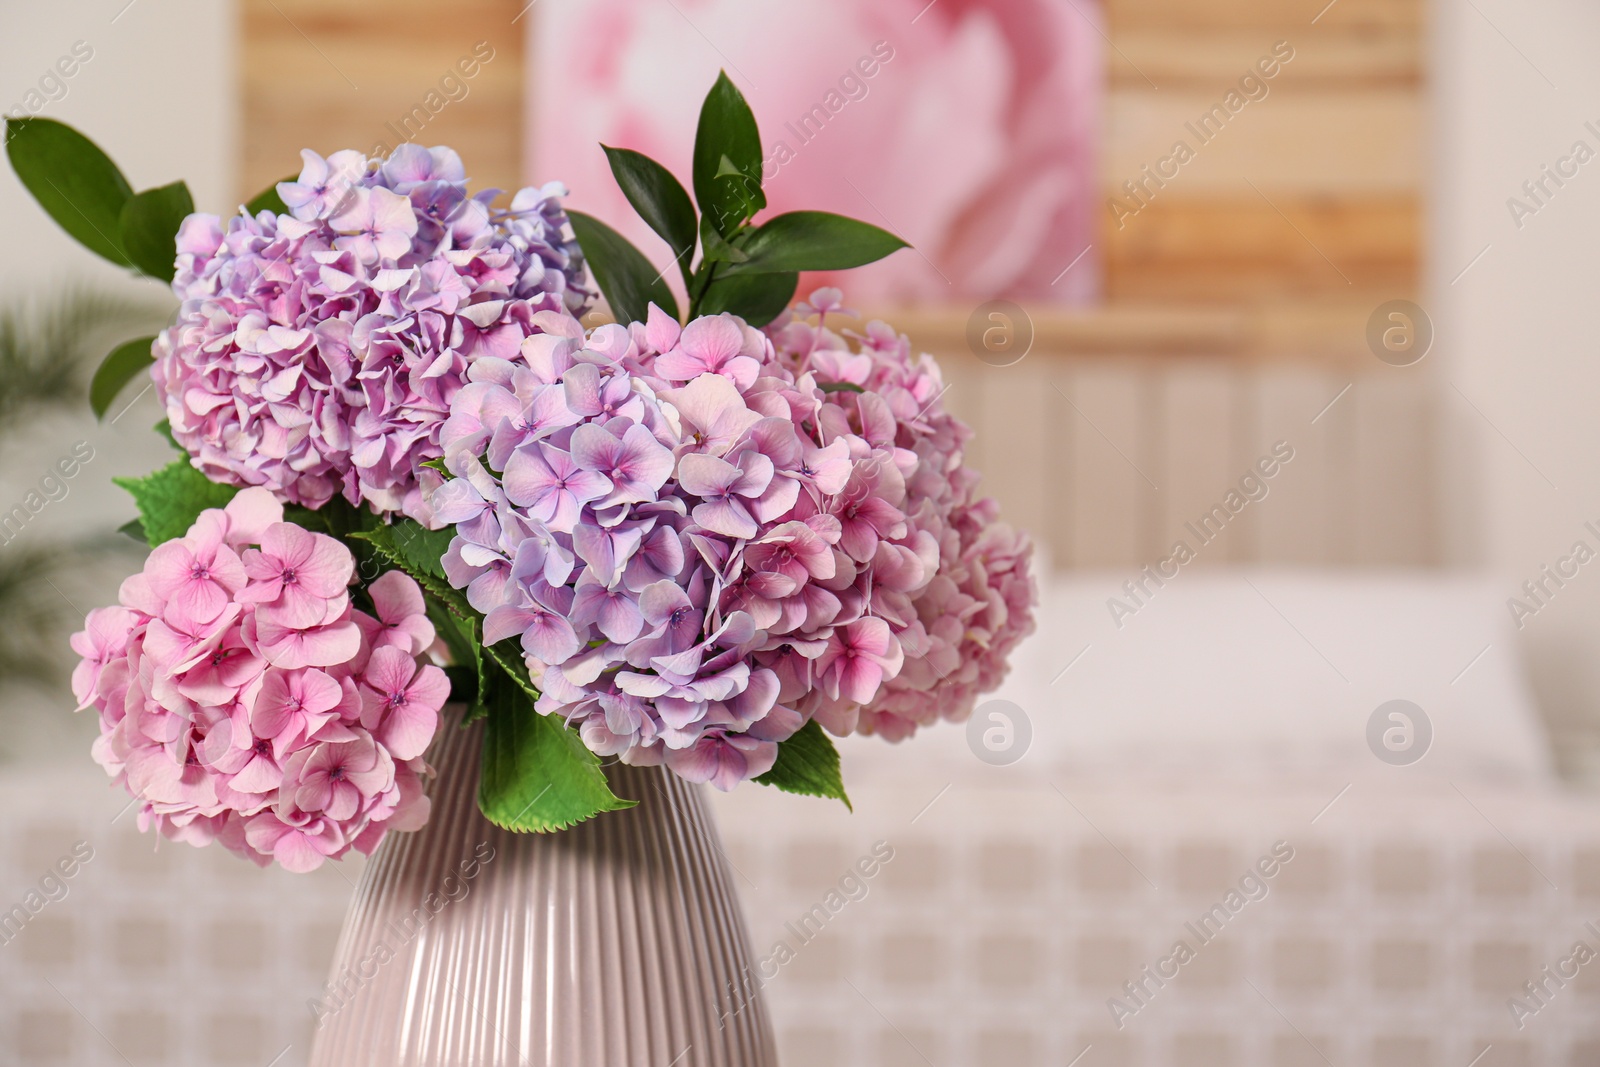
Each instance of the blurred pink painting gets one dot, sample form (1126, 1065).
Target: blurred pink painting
(968, 127)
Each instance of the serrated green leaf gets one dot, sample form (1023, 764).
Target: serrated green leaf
(464, 639)
(117, 370)
(756, 298)
(423, 548)
(269, 200)
(659, 198)
(506, 656)
(727, 158)
(537, 775)
(73, 180)
(813, 240)
(173, 497)
(409, 555)
(458, 638)
(623, 273)
(149, 226)
(808, 764)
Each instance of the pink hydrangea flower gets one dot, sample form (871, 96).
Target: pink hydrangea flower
(317, 354)
(244, 699)
(401, 618)
(959, 593)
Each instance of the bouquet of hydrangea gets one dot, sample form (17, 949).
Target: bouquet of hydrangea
(411, 475)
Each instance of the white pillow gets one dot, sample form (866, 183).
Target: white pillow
(1263, 674)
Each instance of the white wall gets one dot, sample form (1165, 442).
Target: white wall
(1519, 334)
(159, 95)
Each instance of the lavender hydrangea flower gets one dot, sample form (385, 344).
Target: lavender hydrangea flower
(317, 353)
(699, 549)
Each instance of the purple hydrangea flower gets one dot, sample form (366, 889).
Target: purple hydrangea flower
(318, 353)
(699, 549)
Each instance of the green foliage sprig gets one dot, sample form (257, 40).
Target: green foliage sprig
(747, 269)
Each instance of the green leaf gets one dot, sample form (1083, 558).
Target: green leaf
(506, 656)
(464, 688)
(306, 519)
(134, 529)
(537, 775)
(808, 764)
(727, 158)
(269, 200)
(164, 428)
(756, 298)
(626, 277)
(337, 518)
(422, 548)
(464, 639)
(660, 200)
(840, 387)
(814, 240)
(411, 551)
(173, 497)
(149, 227)
(714, 248)
(459, 639)
(117, 370)
(73, 180)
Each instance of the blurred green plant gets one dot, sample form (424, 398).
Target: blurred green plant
(48, 351)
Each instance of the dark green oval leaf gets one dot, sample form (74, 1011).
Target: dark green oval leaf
(714, 248)
(117, 370)
(756, 298)
(75, 182)
(840, 387)
(727, 158)
(625, 276)
(813, 240)
(660, 200)
(808, 764)
(135, 529)
(149, 226)
(269, 200)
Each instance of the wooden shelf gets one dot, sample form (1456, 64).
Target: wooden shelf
(1321, 333)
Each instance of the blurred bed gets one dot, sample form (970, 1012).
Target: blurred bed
(1221, 732)
(977, 911)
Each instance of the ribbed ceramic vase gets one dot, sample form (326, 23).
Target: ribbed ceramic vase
(617, 942)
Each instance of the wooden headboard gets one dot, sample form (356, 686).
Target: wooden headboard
(1119, 427)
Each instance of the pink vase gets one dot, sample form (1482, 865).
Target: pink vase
(614, 943)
